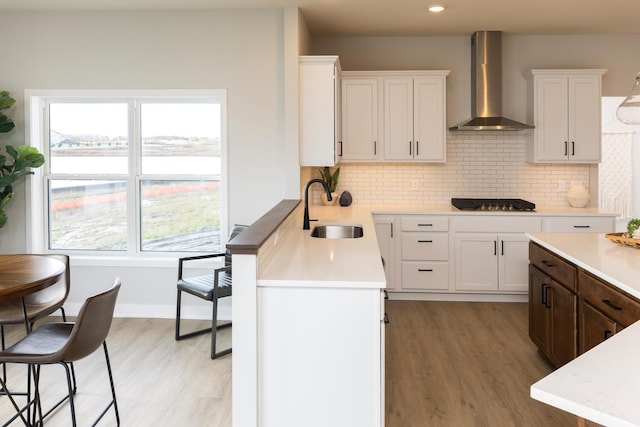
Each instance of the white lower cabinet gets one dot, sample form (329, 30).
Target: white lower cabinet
(579, 224)
(491, 262)
(439, 256)
(424, 253)
(385, 232)
(311, 339)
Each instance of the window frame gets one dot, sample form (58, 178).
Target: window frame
(36, 128)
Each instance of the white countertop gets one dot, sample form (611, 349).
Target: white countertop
(602, 384)
(356, 262)
(448, 210)
(302, 260)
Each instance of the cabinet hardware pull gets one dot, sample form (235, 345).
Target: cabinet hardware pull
(386, 319)
(611, 305)
(425, 241)
(391, 230)
(581, 226)
(546, 296)
(386, 294)
(502, 247)
(607, 334)
(573, 148)
(417, 148)
(495, 247)
(425, 269)
(566, 148)
(547, 263)
(410, 147)
(340, 152)
(425, 225)
(375, 148)
(543, 294)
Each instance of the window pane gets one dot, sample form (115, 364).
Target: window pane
(180, 139)
(180, 215)
(88, 138)
(88, 214)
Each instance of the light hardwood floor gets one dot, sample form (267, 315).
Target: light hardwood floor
(447, 364)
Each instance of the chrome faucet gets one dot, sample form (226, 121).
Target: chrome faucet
(305, 225)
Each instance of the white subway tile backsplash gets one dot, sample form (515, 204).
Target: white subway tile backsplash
(479, 164)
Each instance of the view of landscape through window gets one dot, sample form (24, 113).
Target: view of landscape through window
(168, 154)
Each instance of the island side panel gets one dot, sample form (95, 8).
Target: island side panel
(319, 357)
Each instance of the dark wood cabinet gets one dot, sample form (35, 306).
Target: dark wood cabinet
(570, 309)
(552, 318)
(594, 327)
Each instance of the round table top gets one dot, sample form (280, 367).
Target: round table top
(21, 275)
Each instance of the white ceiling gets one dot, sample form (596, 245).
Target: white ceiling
(405, 17)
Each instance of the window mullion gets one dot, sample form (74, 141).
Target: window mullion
(133, 186)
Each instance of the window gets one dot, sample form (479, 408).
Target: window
(131, 173)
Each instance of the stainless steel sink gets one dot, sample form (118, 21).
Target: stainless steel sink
(337, 231)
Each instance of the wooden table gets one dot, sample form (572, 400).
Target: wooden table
(22, 275)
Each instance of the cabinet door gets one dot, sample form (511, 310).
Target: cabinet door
(359, 119)
(476, 262)
(512, 262)
(593, 327)
(385, 234)
(584, 119)
(429, 124)
(552, 120)
(319, 111)
(539, 320)
(398, 119)
(564, 334)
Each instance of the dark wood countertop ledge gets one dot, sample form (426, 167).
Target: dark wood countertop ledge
(251, 239)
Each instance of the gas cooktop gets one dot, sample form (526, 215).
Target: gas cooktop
(493, 204)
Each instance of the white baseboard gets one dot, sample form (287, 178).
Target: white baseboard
(158, 312)
(435, 296)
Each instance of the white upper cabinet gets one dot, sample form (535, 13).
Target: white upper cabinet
(319, 110)
(414, 118)
(565, 107)
(394, 116)
(360, 119)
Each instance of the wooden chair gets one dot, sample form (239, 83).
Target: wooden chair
(209, 287)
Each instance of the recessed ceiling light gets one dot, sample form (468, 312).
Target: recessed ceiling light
(436, 8)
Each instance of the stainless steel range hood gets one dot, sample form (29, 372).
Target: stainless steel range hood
(486, 86)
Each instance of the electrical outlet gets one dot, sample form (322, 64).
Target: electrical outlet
(414, 185)
(562, 186)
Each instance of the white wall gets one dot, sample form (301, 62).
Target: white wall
(240, 51)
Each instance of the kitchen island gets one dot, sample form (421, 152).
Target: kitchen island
(308, 316)
(601, 384)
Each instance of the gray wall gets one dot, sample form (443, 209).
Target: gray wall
(619, 54)
(240, 51)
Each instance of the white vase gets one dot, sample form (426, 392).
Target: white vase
(334, 199)
(578, 196)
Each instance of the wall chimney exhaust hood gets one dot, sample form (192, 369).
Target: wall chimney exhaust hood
(486, 86)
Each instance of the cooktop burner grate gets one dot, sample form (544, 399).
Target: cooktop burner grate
(493, 204)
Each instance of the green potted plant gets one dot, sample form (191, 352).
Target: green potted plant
(632, 228)
(21, 160)
(331, 179)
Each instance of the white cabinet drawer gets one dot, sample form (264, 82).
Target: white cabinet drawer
(497, 223)
(421, 276)
(425, 223)
(580, 224)
(425, 246)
